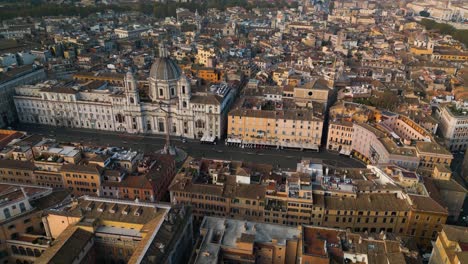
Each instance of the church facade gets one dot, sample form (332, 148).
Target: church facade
(168, 105)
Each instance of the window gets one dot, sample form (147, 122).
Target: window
(119, 118)
(199, 124)
(6, 212)
(14, 249)
(161, 125)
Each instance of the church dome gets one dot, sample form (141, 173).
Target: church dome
(165, 69)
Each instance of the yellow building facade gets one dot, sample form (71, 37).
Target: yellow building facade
(451, 246)
(291, 128)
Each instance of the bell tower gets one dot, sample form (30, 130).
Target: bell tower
(131, 90)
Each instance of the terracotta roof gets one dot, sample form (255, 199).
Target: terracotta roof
(431, 147)
(81, 168)
(17, 164)
(291, 114)
(427, 204)
(6, 136)
(140, 182)
(250, 191)
(207, 99)
(365, 202)
(456, 233)
(67, 246)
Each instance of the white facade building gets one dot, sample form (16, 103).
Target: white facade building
(169, 104)
(130, 32)
(454, 127)
(22, 75)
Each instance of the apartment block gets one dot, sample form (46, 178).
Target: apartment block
(384, 198)
(274, 116)
(340, 137)
(22, 233)
(453, 127)
(451, 246)
(253, 242)
(99, 230)
(110, 172)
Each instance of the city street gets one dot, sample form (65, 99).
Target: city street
(148, 143)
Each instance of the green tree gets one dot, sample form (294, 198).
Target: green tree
(446, 29)
(424, 13)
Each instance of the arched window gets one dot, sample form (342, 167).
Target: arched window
(120, 118)
(200, 124)
(14, 249)
(184, 104)
(132, 101)
(148, 125)
(183, 89)
(22, 251)
(30, 252)
(37, 253)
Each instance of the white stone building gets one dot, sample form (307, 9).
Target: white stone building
(454, 126)
(26, 74)
(169, 104)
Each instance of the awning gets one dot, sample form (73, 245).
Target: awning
(234, 140)
(300, 145)
(208, 139)
(345, 152)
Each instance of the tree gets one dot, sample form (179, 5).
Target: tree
(446, 29)
(424, 13)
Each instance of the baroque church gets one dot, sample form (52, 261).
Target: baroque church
(169, 105)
